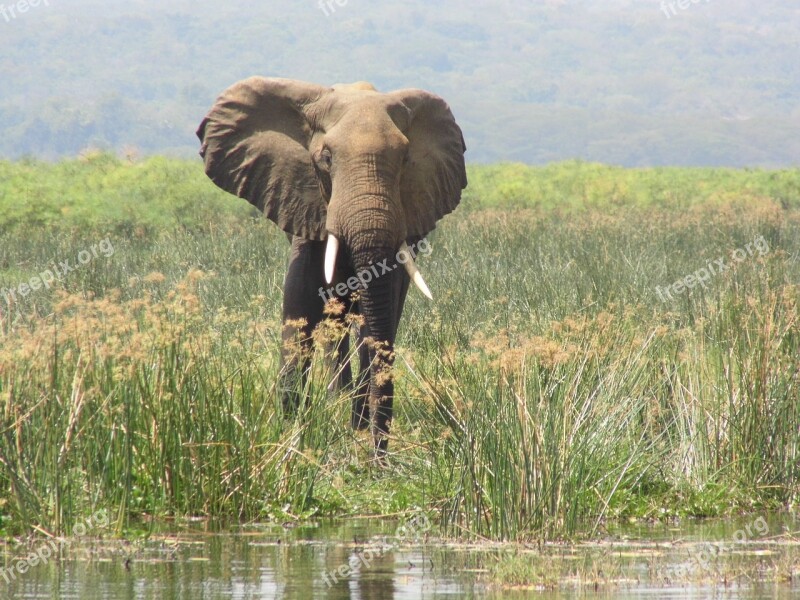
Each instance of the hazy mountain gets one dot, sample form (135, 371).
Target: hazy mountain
(621, 81)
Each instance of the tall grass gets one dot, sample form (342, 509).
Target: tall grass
(151, 407)
(546, 389)
(569, 391)
(540, 442)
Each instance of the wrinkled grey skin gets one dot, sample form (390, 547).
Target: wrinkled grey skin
(373, 169)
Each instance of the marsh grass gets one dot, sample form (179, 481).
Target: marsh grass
(540, 443)
(570, 392)
(134, 404)
(548, 388)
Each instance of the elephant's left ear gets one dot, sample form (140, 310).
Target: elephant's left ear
(434, 174)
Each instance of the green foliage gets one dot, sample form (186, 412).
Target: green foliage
(576, 185)
(101, 192)
(570, 391)
(550, 385)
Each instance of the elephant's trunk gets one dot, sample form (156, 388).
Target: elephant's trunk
(371, 226)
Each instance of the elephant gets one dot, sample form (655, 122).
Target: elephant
(356, 178)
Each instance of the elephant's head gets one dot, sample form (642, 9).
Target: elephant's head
(369, 168)
(345, 163)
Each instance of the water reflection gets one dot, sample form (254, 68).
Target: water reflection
(363, 560)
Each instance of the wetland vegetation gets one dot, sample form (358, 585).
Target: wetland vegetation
(548, 390)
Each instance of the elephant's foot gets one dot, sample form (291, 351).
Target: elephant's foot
(291, 388)
(359, 418)
(381, 450)
(290, 401)
(290, 396)
(380, 438)
(381, 424)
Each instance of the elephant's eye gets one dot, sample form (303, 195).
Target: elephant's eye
(325, 158)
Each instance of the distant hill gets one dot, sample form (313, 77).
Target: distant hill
(629, 82)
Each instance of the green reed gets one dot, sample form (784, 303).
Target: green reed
(547, 388)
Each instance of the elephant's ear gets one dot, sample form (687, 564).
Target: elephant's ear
(255, 144)
(434, 174)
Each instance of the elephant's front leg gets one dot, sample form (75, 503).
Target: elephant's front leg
(359, 418)
(302, 311)
(381, 379)
(381, 396)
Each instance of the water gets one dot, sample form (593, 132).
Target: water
(367, 559)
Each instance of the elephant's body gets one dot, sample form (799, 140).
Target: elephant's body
(356, 177)
(302, 302)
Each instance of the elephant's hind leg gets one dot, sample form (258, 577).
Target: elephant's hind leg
(302, 312)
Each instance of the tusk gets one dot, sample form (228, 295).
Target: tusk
(414, 273)
(330, 256)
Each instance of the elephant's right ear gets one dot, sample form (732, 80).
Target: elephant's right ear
(255, 143)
